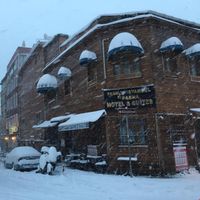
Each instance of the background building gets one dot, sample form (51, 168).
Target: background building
(9, 97)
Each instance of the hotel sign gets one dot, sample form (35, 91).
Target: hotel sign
(137, 97)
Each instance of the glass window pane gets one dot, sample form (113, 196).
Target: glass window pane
(136, 130)
(116, 70)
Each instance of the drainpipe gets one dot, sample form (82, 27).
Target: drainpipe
(103, 56)
(160, 151)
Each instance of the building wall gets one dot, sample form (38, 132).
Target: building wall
(175, 95)
(31, 103)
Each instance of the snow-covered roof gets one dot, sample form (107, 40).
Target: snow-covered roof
(72, 41)
(45, 124)
(193, 50)
(46, 82)
(81, 121)
(171, 44)
(124, 41)
(87, 56)
(64, 72)
(61, 118)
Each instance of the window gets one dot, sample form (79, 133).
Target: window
(67, 87)
(91, 73)
(178, 133)
(127, 67)
(177, 128)
(136, 129)
(195, 66)
(170, 65)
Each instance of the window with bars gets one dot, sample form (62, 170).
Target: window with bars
(132, 131)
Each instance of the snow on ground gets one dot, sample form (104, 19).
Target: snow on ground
(80, 185)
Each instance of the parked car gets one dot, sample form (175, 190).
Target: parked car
(22, 158)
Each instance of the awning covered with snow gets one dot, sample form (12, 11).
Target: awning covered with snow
(124, 42)
(47, 83)
(87, 57)
(81, 121)
(64, 73)
(45, 124)
(193, 50)
(171, 44)
(196, 110)
(61, 118)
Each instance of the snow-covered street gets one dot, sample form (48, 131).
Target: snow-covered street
(80, 185)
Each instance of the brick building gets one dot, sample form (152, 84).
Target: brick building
(32, 104)
(9, 98)
(127, 86)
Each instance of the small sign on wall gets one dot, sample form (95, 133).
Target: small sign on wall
(181, 160)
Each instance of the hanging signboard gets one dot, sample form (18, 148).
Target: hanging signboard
(181, 160)
(137, 97)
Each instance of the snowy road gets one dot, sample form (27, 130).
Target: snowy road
(79, 185)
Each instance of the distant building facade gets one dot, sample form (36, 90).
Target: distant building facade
(9, 98)
(126, 88)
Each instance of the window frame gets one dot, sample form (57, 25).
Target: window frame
(191, 62)
(169, 60)
(91, 67)
(133, 70)
(135, 136)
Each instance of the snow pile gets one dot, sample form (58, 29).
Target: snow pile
(47, 81)
(29, 162)
(195, 110)
(87, 56)
(125, 40)
(61, 118)
(53, 154)
(172, 43)
(76, 185)
(64, 73)
(44, 149)
(193, 50)
(24, 151)
(45, 124)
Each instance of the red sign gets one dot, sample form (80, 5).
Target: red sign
(181, 160)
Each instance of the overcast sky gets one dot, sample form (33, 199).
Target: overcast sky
(29, 20)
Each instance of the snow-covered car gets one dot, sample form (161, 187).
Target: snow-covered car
(22, 158)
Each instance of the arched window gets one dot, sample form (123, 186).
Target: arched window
(47, 83)
(88, 59)
(193, 55)
(124, 55)
(170, 49)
